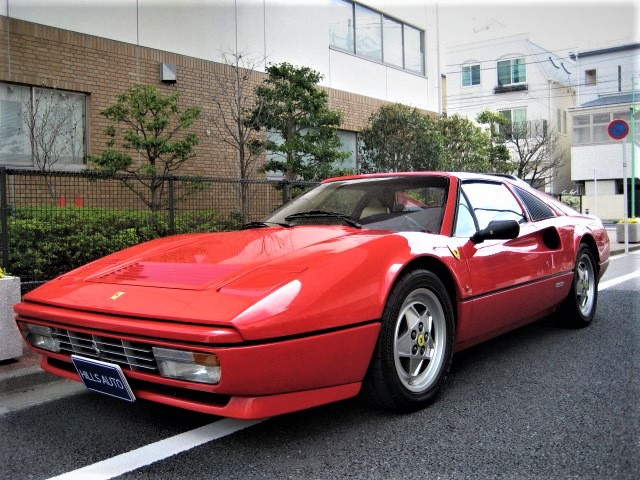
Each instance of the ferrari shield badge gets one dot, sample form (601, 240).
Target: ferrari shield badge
(455, 252)
(116, 296)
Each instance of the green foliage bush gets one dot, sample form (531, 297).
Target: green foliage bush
(46, 243)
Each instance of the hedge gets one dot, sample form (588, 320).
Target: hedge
(46, 243)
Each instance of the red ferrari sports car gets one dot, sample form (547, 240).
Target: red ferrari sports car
(365, 284)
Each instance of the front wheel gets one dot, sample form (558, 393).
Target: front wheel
(579, 307)
(415, 345)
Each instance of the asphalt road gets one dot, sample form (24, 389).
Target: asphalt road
(542, 402)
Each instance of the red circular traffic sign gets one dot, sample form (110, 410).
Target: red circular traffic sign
(618, 129)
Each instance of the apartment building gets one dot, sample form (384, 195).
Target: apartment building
(519, 79)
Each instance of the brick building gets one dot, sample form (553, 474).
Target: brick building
(88, 52)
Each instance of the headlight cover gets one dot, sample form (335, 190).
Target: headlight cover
(189, 366)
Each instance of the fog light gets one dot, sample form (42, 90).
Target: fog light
(41, 337)
(190, 366)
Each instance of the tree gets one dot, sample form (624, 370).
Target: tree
(468, 148)
(233, 107)
(536, 151)
(54, 126)
(399, 138)
(499, 156)
(154, 127)
(300, 127)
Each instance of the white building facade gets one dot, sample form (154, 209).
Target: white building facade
(607, 80)
(515, 77)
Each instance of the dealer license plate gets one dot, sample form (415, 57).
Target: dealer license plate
(103, 377)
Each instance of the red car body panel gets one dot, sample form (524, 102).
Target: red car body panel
(293, 314)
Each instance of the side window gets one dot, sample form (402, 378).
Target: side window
(465, 224)
(537, 209)
(492, 201)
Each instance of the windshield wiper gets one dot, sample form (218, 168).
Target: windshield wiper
(324, 214)
(246, 226)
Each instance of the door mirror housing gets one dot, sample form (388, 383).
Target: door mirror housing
(497, 230)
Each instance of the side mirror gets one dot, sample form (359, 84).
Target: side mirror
(497, 230)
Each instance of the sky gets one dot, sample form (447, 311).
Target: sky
(562, 26)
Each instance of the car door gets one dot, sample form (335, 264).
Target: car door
(508, 278)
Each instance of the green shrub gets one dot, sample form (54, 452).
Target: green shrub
(45, 243)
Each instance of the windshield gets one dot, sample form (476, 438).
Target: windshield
(388, 203)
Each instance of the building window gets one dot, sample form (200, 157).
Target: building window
(392, 31)
(512, 71)
(470, 75)
(590, 78)
(562, 121)
(349, 142)
(370, 34)
(41, 127)
(341, 27)
(516, 119)
(593, 128)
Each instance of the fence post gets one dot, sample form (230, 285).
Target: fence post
(172, 225)
(285, 191)
(4, 223)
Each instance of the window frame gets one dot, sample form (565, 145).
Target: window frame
(513, 66)
(405, 37)
(470, 67)
(79, 115)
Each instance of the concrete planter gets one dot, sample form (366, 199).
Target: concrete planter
(11, 344)
(634, 232)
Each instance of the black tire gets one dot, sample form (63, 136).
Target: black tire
(579, 307)
(415, 346)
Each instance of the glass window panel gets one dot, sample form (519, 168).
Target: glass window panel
(368, 33)
(504, 72)
(601, 118)
(600, 133)
(15, 103)
(519, 70)
(520, 115)
(60, 123)
(623, 115)
(466, 76)
(581, 135)
(413, 50)
(470, 75)
(348, 140)
(341, 25)
(581, 120)
(490, 201)
(392, 41)
(475, 75)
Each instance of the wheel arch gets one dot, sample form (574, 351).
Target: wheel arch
(590, 242)
(439, 268)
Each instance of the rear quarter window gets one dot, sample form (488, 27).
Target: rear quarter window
(538, 210)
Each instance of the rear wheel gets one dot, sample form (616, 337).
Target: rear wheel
(579, 307)
(415, 346)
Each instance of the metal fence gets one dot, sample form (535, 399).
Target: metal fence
(42, 213)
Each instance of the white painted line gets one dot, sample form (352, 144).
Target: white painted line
(143, 456)
(617, 280)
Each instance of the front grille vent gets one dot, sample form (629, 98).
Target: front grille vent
(130, 355)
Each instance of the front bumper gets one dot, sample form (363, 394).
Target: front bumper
(257, 379)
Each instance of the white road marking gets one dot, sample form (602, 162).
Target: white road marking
(143, 456)
(617, 280)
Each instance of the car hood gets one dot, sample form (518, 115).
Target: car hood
(198, 278)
